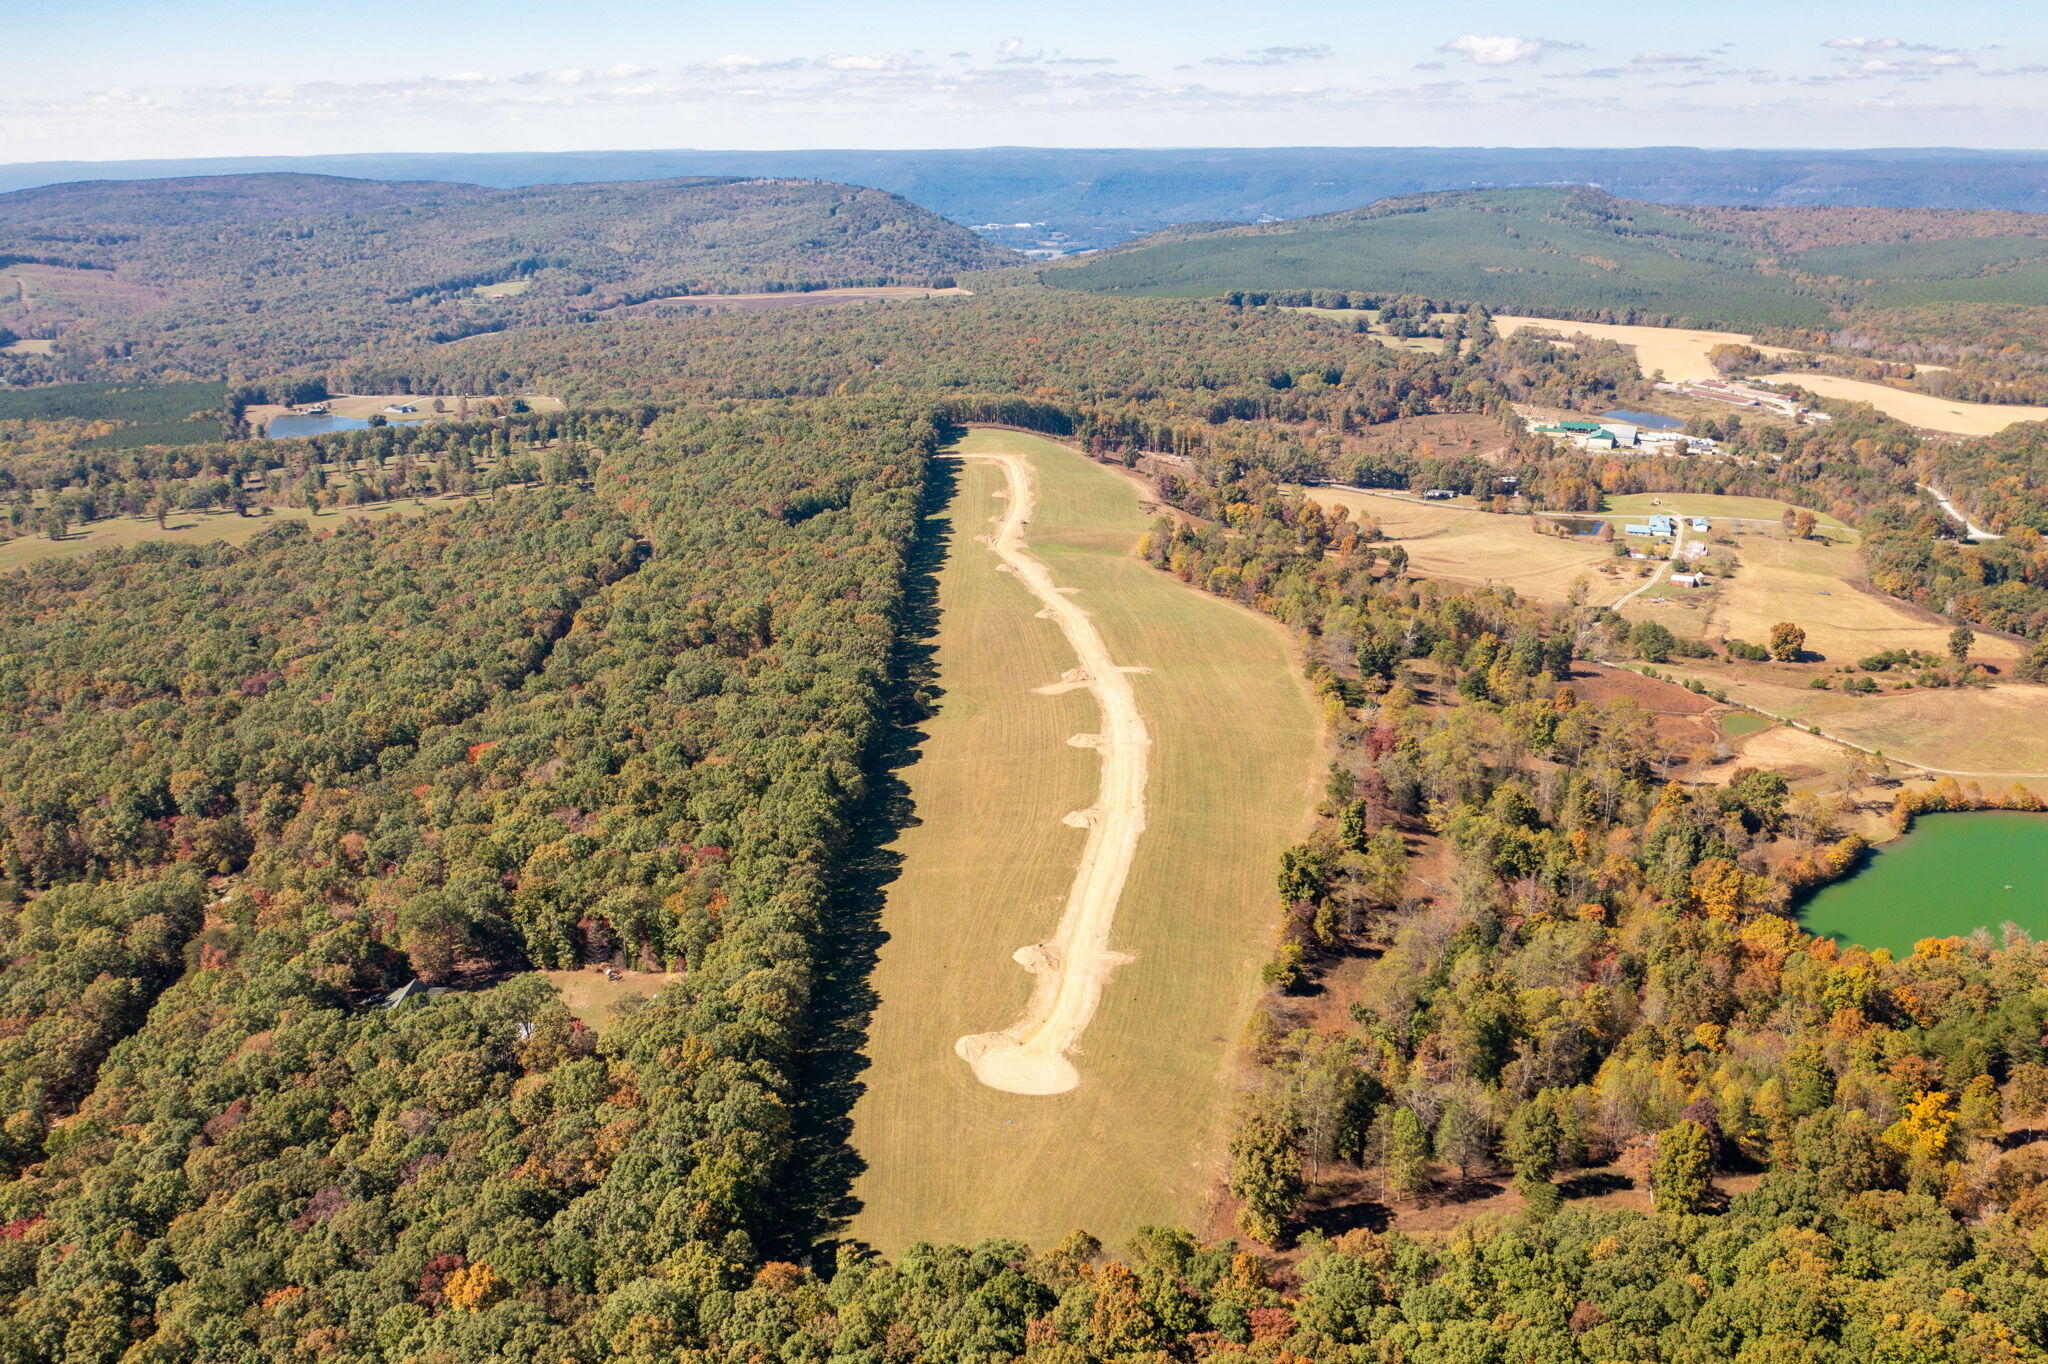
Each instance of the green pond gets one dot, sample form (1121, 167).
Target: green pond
(1737, 723)
(1950, 876)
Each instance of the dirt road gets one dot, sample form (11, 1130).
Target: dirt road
(1070, 967)
(1677, 545)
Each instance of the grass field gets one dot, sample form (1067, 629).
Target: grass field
(2003, 729)
(1816, 584)
(188, 527)
(363, 406)
(1715, 506)
(597, 1001)
(1434, 345)
(1466, 545)
(988, 861)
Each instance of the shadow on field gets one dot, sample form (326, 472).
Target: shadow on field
(818, 1193)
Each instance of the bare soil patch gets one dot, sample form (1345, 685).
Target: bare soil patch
(1070, 967)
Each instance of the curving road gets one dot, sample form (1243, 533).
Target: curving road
(1955, 514)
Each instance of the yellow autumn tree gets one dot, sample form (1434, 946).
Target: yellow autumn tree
(1927, 1130)
(473, 1288)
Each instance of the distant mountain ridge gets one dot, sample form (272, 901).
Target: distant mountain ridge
(1098, 197)
(229, 276)
(1583, 253)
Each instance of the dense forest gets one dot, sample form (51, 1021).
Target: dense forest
(1583, 253)
(237, 276)
(631, 710)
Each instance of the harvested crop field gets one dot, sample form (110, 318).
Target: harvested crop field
(1919, 409)
(1678, 351)
(990, 863)
(1462, 544)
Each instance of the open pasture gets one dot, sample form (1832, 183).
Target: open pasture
(2001, 730)
(1818, 585)
(990, 856)
(1463, 544)
(1746, 512)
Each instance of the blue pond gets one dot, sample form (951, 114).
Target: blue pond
(283, 428)
(1656, 421)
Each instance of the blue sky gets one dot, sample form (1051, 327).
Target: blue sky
(100, 79)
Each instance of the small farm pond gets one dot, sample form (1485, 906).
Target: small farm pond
(283, 428)
(1950, 876)
(1656, 421)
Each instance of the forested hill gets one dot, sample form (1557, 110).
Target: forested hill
(229, 276)
(1095, 197)
(1580, 252)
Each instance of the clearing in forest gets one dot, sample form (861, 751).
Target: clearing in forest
(1459, 543)
(195, 527)
(1228, 736)
(1680, 352)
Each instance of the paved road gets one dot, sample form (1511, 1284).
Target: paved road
(1973, 531)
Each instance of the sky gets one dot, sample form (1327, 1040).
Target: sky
(117, 79)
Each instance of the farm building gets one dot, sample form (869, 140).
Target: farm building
(1438, 495)
(1658, 527)
(400, 409)
(1589, 435)
(1699, 523)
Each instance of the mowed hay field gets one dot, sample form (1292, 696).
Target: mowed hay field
(1820, 588)
(1818, 585)
(986, 866)
(1465, 545)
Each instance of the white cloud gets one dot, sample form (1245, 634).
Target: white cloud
(889, 62)
(584, 75)
(1866, 44)
(1008, 46)
(1275, 56)
(1654, 58)
(1501, 49)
